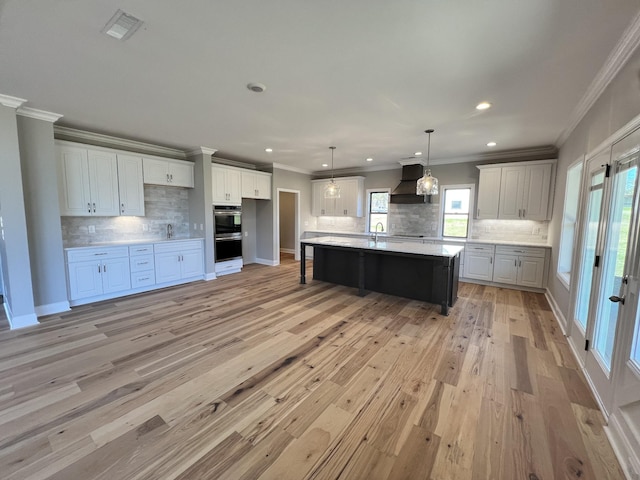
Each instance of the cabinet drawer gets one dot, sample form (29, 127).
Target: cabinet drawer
(82, 254)
(141, 249)
(479, 248)
(141, 263)
(520, 251)
(175, 247)
(143, 279)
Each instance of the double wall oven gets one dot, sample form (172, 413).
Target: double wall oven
(227, 222)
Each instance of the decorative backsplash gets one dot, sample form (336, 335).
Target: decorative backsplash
(162, 205)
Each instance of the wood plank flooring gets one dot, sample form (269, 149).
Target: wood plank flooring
(255, 376)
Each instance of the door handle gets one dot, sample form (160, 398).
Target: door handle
(616, 299)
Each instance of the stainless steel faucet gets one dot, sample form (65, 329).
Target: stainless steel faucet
(169, 231)
(376, 232)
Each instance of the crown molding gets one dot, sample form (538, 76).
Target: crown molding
(11, 102)
(202, 150)
(39, 114)
(629, 41)
(99, 139)
(414, 161)
(289, 168)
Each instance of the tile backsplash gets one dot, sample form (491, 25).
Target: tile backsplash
(162, 205)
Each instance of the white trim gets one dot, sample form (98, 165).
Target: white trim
(622, 448)
(549, 161)
(39, 114)
(616, 60)
(263, 261)
(289, 168)
(202, 150)
(614, 137)
(276, 225)
(288, 250)
(52, 308)
(210, 276)
(413, 161)
(367, 216)
(109, 141)
(556, 311)
(20, 321)
(563, 281)
(11, 102)
(472, 197)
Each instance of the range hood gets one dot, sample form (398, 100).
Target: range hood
(405, 192)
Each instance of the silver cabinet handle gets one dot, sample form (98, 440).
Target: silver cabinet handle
(89, 207)
(104, 268)
(478, 214)
(167, 178)
(143, 278)
(524, 213)
(99, 268)
(490, 260)
(98, 254)
(171, 177)
(515, 263)
(122, 206)
(94, 207)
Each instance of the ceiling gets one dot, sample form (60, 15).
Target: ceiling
(368, 76)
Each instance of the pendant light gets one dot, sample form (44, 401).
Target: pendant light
(427, 185)
(332, 190)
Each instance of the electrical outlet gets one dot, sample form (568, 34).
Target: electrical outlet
(145, 227)
(246, 234)
(536, 231)
(201, 226)
(92, 229)
(195, 226)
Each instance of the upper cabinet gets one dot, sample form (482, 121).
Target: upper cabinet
(88, 182)
(230, 184)
(516, 191)
(350, 203)
(130, 185)
(174, 173)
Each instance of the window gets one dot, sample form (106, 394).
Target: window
(455, 209)
(569, 222)
(377, 209)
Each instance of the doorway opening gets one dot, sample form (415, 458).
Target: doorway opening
(288, 224)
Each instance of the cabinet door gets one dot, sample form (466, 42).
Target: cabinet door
(317, 201)
(530, 271)
(234, 187)
(263, 186)
(489, 193)
(505, 269)
(181, 174)
(478, 266)
(116, 275)
(347, 204)
(536, 192)
(73, 182)
(167, 267)
(191, 263)
(130, 185)
(249, 188)
(103, 183)
(218, 185)
(511, 191)
(156, 172)
(85, 279)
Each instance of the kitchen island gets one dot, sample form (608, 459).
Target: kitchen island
(412, 270)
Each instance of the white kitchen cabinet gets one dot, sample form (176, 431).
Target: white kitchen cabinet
(350, 203)
(522, 266)
(142, 265)
(226, 185)
(488, 192)
(97, 271)
(516, 191)
(130, 185)
(478, 262)
(178, 260)
(256, 185)
(88, 182)
(174, 173)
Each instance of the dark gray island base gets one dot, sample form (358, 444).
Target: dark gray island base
(422, 272)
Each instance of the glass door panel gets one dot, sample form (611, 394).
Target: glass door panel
(615, 255)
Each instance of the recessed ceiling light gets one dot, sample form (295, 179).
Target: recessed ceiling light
(491, 144)
(268, 150)
(369, 159)
(256, 87)
(325, 165)
(122, 25)
(418, 154)
(483, 106)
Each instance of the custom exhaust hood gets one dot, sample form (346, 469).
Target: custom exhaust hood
(405, 192)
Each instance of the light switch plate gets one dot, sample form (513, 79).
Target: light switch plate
(92, 229)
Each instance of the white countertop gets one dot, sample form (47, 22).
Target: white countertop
(123, 243)
(383, 246)
(450, 241)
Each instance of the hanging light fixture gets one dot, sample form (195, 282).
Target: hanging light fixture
(427, 185)
(332, 190)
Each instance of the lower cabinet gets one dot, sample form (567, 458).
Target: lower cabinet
(94, 272)
(478, 262)
(519, 266)
(177, 261)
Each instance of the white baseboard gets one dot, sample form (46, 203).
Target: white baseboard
(210, 276)
(271, 263)
(20, 321)
(288, 250)
(628, 457)
(562, 321)
(52, 308)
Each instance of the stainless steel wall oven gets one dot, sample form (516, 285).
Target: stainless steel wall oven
(227, 222)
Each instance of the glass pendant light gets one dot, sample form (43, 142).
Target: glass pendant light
(332, 190)
(427, 185)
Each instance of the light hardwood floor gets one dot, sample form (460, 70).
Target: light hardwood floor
(256, 376)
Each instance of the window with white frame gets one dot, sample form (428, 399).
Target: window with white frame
(378, 209)
(569, 221)
(455, 210)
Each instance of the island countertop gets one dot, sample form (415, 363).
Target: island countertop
(390, 247)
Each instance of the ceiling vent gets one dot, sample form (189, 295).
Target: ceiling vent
(122, 25)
